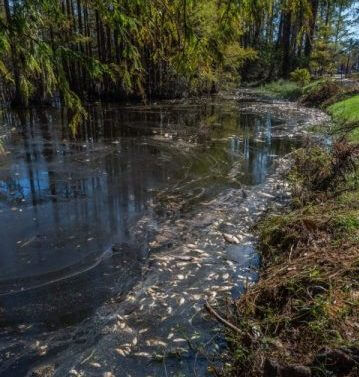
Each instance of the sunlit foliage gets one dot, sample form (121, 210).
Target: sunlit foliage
(78, 49)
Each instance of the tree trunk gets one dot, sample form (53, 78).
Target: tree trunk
(310, 36)
(286, 38)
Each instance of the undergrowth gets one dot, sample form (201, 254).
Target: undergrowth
(315, 93)
(320, 92)
(307, 299)
(282, 89)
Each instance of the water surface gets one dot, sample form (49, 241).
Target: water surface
(69, 204)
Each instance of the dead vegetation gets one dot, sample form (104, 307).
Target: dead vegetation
(319, 174)
(320, 92)
(301, 319)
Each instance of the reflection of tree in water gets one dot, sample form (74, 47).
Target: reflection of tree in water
(84, 192)
(94, 184)
(80, 180)
(53, 141)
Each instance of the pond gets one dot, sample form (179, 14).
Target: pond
(71, 204)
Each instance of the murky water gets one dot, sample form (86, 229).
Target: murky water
(70, 205)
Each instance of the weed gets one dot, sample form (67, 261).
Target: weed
(307, 298)
(317, 93)
(318, 173)
(282, 89)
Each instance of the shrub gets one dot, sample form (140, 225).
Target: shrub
(319, 92)
(301, 76)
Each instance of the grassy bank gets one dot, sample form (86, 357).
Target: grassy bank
(314, 93)
(318, 93)
(281, 89)
(336, 97)
(346, 112)
(301, 319)
(305, 308)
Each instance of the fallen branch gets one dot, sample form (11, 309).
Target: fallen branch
(221, 319)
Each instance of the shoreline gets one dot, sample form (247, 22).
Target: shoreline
(296, 293)
(162, 322)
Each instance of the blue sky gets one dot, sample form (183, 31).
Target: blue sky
(355, 14)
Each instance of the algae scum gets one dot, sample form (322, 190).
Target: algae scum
(111, 241)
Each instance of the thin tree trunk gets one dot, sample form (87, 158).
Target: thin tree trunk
(286, 38)
(310, 36)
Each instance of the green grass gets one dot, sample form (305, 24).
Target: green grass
(290, 90)
(282, 89)
(347, 111)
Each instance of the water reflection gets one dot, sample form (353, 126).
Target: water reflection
(65, 199)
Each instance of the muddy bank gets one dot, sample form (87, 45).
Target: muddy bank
(156, 325)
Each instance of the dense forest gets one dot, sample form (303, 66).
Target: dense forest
(179, 188)
(75, 50)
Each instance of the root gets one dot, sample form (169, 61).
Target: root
(221, 319)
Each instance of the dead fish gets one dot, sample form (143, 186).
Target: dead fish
(28, 241)
(185, 258)
(266, 195)
(231, 238)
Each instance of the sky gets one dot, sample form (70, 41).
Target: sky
(354, 12)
